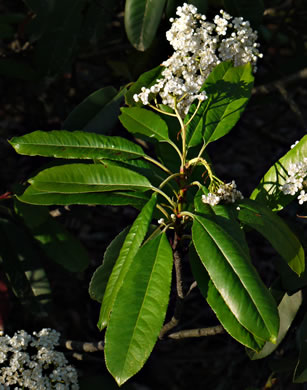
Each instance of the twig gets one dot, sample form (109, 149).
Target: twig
(200, 332)
(280, 87)
(179, 288)
(267, 88)
(81, 346)
(193, 285)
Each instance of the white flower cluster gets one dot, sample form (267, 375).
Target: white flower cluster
(297, 173)
(226, 192)
(200, 46)
(30, 362)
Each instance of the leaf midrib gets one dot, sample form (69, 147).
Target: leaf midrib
(142, 304)
(147, 126)
(237, 275)
(19, 144)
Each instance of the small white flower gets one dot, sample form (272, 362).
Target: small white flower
(31, 369)
(297, 172)
(198, 47)
(173, 217)
(295, 143)
(302, 197)
(226, 192)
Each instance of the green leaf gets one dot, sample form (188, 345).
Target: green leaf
(218, 305)
(131, 335)
(287, 310)
(86, 178)
(101, 276)
(146, 79)
(249, 10)
(234, 276)
(34, 196)
(196, 127)
(142, 18)
(76, 145)
(141, 121)
(300, 373)
(57, 243)
(228, 89)
(98, 112)
(169, 157)
(125, 260)
(268, 190)
(275, 230)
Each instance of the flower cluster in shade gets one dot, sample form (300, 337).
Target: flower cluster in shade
(226, 192)
(296, 180)
(198, 47)
(31, 362)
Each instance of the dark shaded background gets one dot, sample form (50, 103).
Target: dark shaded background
(275, 118)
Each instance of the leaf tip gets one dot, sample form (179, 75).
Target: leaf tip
(101, 324)
(273, 339)
(120, 381)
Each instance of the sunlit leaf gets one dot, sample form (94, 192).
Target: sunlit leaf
(76, 145)
(219, 306)
(101, 276)
(86, 178)
(125, 260)
(268, 190)
(275, 230)
(231, 271)
(132, 334)
(141, 121)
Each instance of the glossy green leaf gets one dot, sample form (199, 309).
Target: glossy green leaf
(287, 310)
(86, 178)
(275, 230)
(142, 18)
(218, 305)
(125, 260)
(76, 145)
(300, 373)
(249, 10)
(196, 127)
(146, 79)
(35, 196)
(228, 89)
(98, 112)
(101, 276)
(141, 121)
(58, 244)
(132, 334)
(268, 190)
(231, 271)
